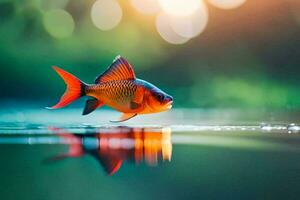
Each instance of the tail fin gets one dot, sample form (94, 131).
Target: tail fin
(75, 88)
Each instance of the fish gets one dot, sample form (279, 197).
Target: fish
(111, 148)
(117, 87)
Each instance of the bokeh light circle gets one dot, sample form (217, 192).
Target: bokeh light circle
(165, 30)
(227, 4)
(106, 14)
(146, 6)
(192, 25)
(179, 7)
(58, 23)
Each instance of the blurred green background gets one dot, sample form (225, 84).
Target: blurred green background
(246, 57)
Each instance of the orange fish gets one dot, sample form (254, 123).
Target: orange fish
(117, 88)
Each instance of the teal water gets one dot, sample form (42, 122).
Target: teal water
(183, 154)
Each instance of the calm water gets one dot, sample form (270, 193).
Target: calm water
(183, 154)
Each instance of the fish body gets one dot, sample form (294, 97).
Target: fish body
(117, 88)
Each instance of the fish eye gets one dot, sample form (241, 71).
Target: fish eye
(159, 97)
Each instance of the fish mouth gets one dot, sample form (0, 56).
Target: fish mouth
(169, 105)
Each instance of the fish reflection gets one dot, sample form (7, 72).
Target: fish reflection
(114, 146)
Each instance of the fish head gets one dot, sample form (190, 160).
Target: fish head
(157, 100)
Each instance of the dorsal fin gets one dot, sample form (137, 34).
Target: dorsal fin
(120, 69)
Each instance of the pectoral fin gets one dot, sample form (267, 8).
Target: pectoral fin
(126, 116)
(91, 105)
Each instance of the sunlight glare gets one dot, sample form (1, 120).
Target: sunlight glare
(179, 7)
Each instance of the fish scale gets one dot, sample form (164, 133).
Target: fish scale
(121, 91)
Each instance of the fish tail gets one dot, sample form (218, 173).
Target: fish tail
(75, 88)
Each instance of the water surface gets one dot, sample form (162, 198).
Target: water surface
(183, 154)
